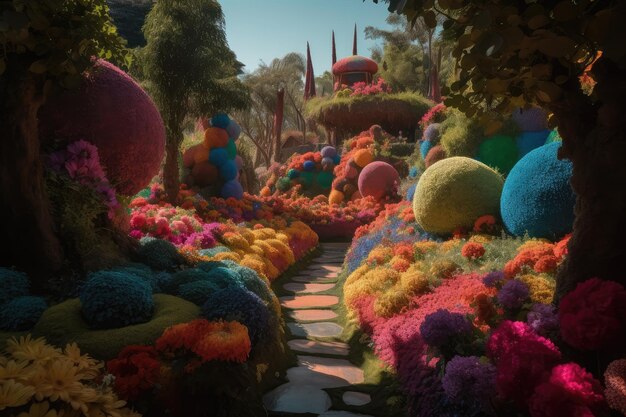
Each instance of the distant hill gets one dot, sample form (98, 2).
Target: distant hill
(128, 16)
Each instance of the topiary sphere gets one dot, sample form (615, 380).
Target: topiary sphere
(499, 152)
(233, 129)
(325, 179)
(253, 282)
(455, 192)
(231, 149)
(197, 292)
(293, 174)
(228, 170)
(527, 141)
(328, 152)
(327, 162)
(378, 179)
(232, 189)
(156, 280)
(21, 313)
(351, 171)
(554, 137)
(537, 197)
(218, 156)
(308, 165)
(283, 184)
(425, 146)
(204, 174)
(214, 137)
(220, 120)
(410, 192)
(159, 254)
(240, 305)
(530, 120)
(114, 299)
(432, 133)
(436, 154)
(111, 111)
(363, 157)
(189, 156)
(335, 197)
(12, 284)
(336, 159)
(306, 179)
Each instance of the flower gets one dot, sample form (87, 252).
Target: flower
(61, 381)
(28, 349)
(522, 358)
(570, 391)
(473, 250)
(136, 370)
(542, 318)
(513, 294)
(440, 327)
(615, 382)
(40, 410)
(494, 279)
(593, 315)
(14, 394)
(484, 308)
(226, 341)
(485, 224)
(468, 380)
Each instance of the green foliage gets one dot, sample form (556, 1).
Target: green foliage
(56, 39)
(63, 323)
(460, 135)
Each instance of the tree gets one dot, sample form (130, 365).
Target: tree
(46, 47)
(514, 54)
(189, 70)
(324, 84)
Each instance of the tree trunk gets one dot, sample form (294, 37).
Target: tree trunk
(171, 180)
(594, 139)
(278, 122)
(27, 215)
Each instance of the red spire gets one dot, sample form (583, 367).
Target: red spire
(354, 49)
(435, 90)
(334, 49)
(309, 78)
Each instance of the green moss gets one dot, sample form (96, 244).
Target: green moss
(63, 324)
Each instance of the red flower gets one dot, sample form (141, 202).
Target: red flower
(546, 263)
(473, 250)
(484, 308)
(485, 224)
(561, 249)
(593, 315)
(136, 370)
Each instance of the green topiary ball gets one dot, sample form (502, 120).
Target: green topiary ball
(115, 299)
(64, 323)
(454, 192)
(498, 152)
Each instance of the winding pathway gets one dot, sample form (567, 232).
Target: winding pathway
(315, 338)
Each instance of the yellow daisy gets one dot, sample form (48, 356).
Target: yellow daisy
(15, 370)
(14, 394)
(29, 349)
(88, 367)
(61, 381)
(40, 410)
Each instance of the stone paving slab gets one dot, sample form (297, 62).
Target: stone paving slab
(324, 348)
(303, 375)
(315, 279)
(297, 398)
(307, 288)
(308, 301)
(320, 329)
(335, 413)
(339, 368)
(356, 398)
(312, 315)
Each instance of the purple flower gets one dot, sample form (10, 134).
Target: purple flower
(56, 160)
(440, 327)
(201, 240)
(543, 318)
(493, 279)
(513, 294)
(468, 380)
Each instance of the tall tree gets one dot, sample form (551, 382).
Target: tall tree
(514, 54)
(190, 71)
(45, 46)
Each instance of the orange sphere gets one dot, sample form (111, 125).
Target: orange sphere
(204, 173)
(214, 137)
(200, 154)
(363, 157)
(335, 197)
(266, 192)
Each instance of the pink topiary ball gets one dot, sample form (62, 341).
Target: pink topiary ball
(378, 179)
(114, 113)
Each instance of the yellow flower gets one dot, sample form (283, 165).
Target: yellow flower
(480, 238)
(88, 367)
(540, 287)
(61, 381)
(40, 410)
(29, 349)
(15, 370)
(14, 394)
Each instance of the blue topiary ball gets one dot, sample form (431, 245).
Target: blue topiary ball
(328, 152)
(21, 313)
(240, 305)
(197, 292)
(220, 120)
(156, 279)
(413, 172)
(228, 170)
(254, 283)
(410, 192)
(233, 129)
(336, 159)
(527, 141)
(232, 189)
(530, 120)
(537, 197)
(12, 284)
(114, 299)
(425, 146)
(219, 276)
(432, 133)
(308, 165)
(159, 254)
(218, 156)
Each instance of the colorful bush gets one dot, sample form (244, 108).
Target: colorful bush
(454, 193)
(537, 197)
(113, 299)
(159, 254)
(435, 154)
(21, 313)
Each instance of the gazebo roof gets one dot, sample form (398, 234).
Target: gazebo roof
(355, 63)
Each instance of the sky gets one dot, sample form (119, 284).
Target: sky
(261, 30)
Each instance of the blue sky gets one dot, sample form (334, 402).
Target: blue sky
(261, 30)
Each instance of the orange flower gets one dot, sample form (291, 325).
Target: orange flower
(547, 263)
(224, 341)
(473, 250)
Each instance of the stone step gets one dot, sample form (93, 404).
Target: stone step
(319, 329)
(315, 279)
(312, 315)
(336, 413)
(307, 288)
(304, 375)
(297, 398)
(323, 348)
(356, 398)
(339, 368)
(308, 301)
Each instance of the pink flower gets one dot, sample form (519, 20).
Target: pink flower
(138, 220)
(136, 234)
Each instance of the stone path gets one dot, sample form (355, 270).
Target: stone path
(322, 357)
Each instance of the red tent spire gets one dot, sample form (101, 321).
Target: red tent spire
(309, 78)
(354, 49)
(334, 49)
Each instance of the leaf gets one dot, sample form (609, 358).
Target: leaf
(38, 67)
(557, 47)
(430, 19)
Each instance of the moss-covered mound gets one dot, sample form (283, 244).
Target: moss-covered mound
(351, 115)
(63, 323)
(454, 192)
